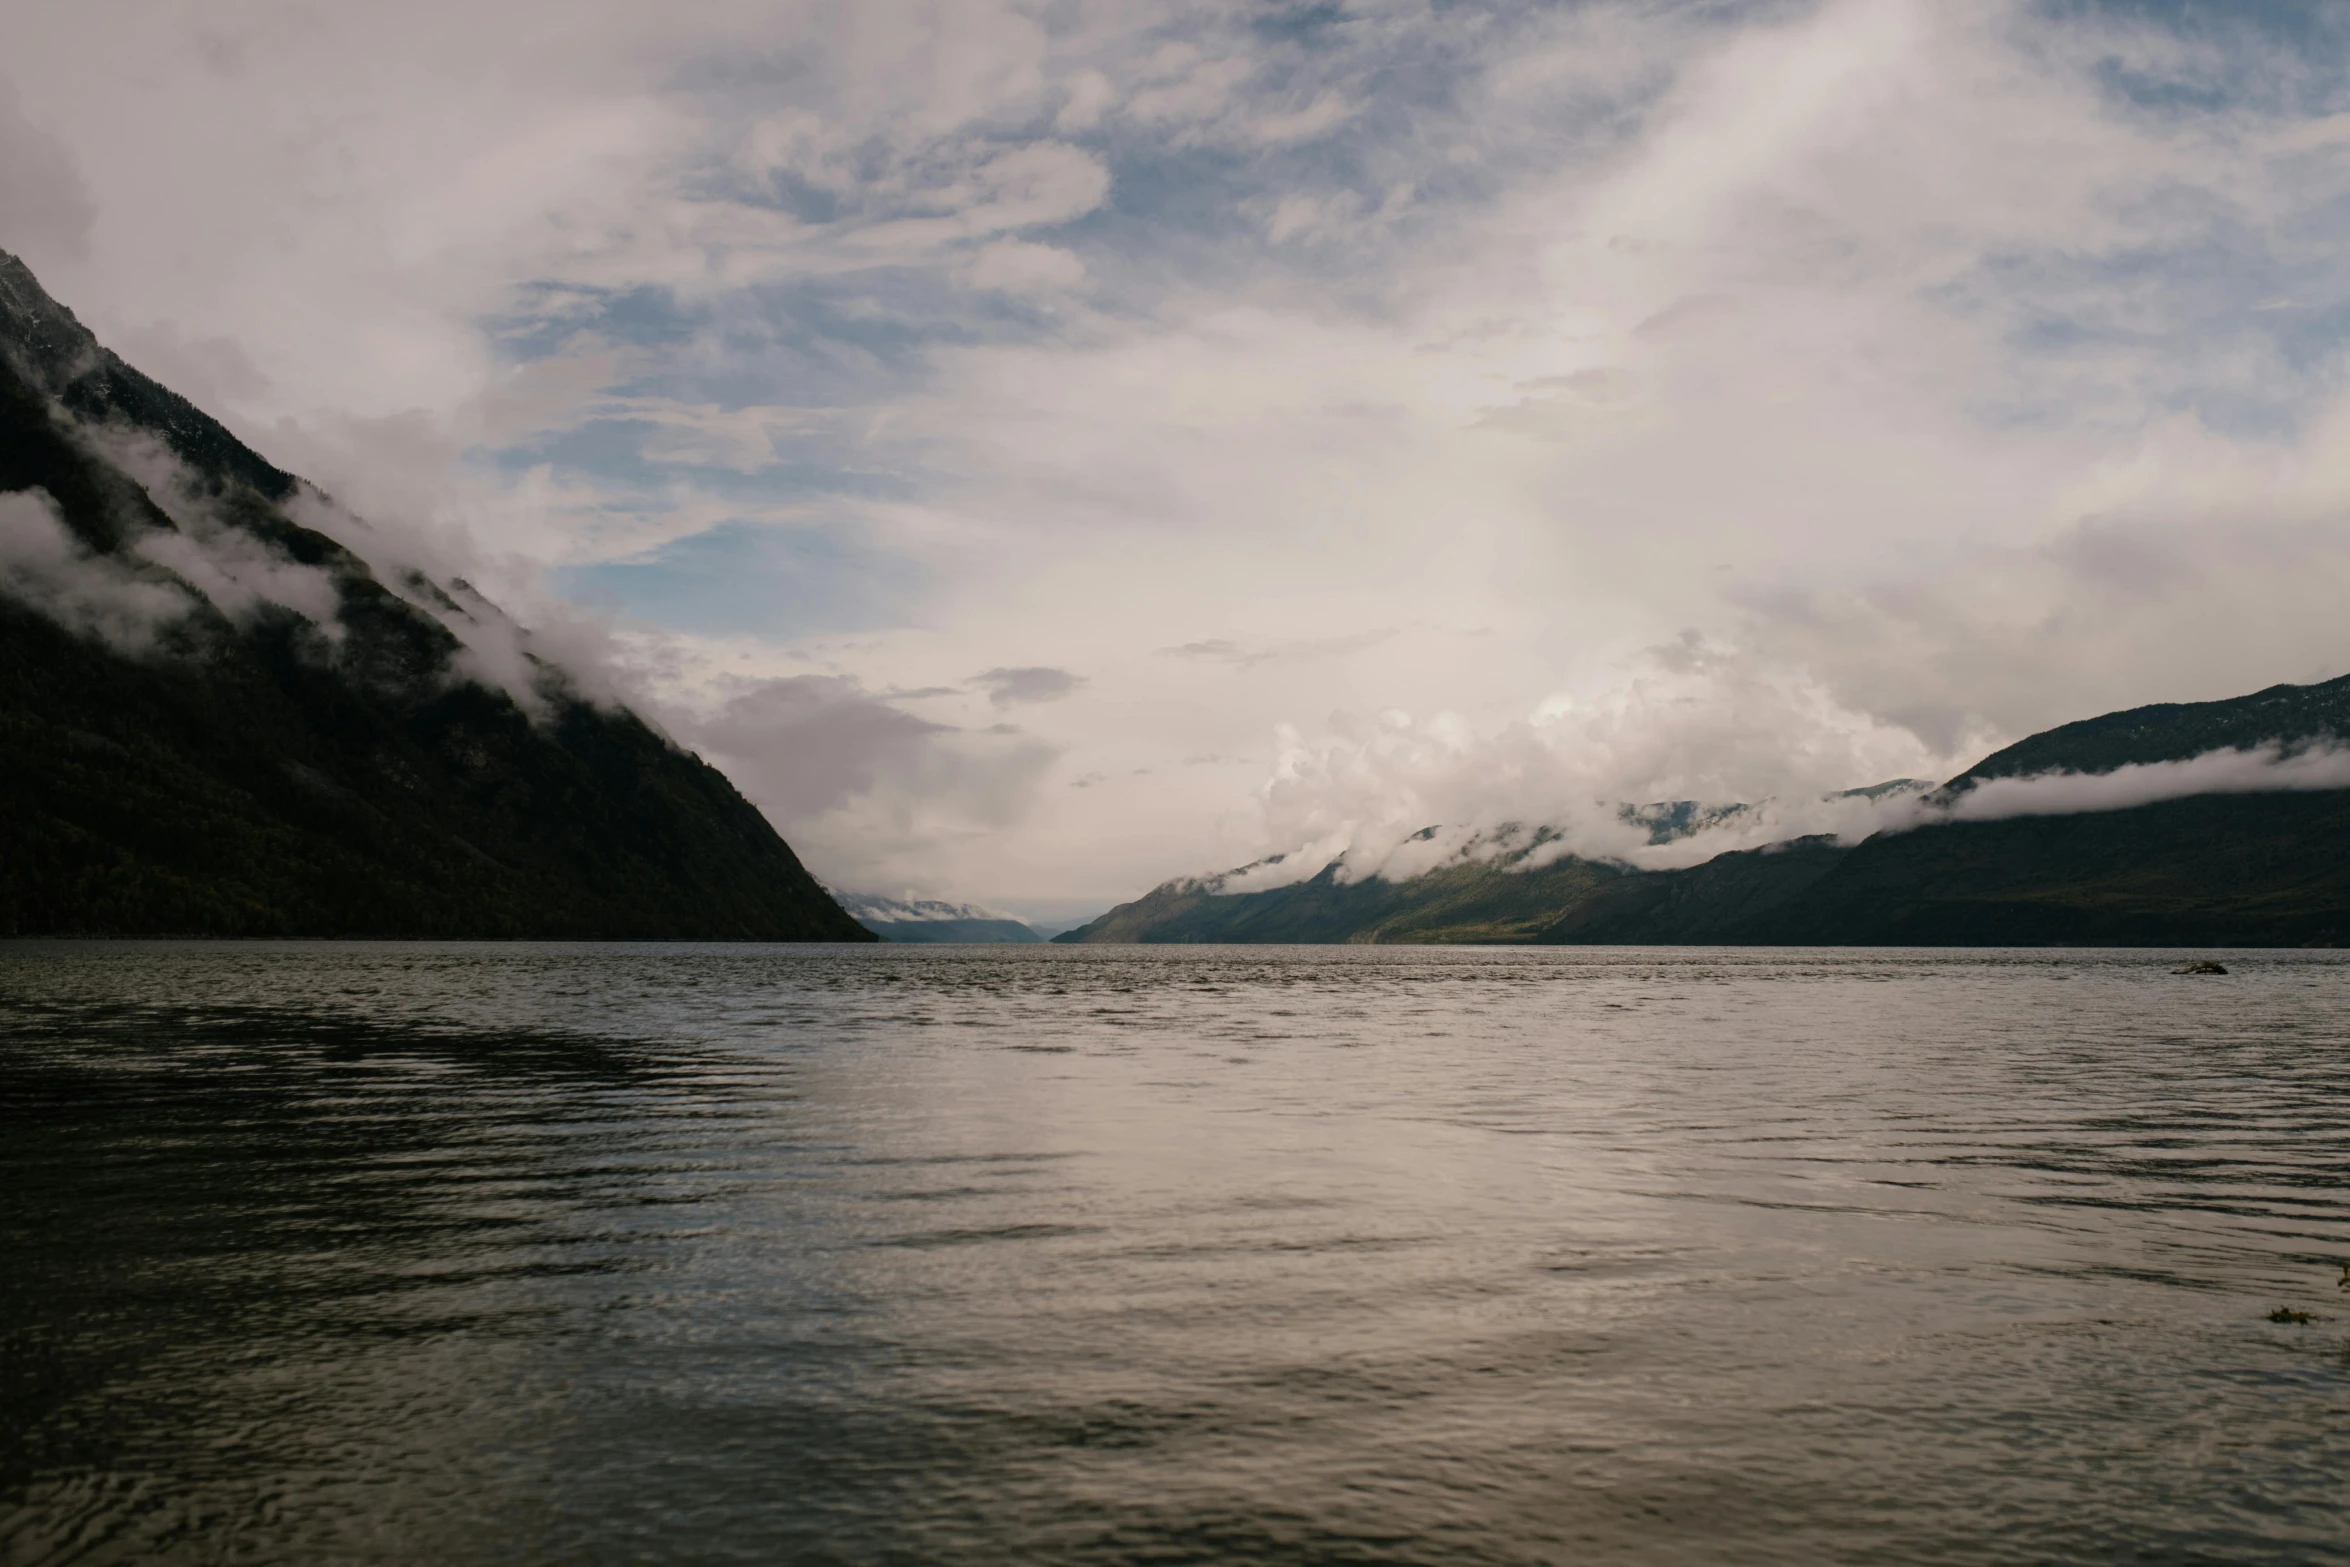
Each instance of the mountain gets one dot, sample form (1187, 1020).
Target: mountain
(2211, 869)
(2175, 731)
(2247, 870)
(217, 717)
(2259, 869)
(2262, 869)
(1476, 897)
(1720, 901)
(927, 920)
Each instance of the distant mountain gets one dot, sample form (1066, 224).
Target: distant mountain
(217, 718)
(928, 920)
(2213, 869)
(1479, 896)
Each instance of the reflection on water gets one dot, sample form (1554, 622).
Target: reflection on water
(601, 1254)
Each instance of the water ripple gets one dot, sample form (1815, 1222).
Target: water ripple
(448, 1253)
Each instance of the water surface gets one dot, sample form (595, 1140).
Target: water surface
(601, 1254)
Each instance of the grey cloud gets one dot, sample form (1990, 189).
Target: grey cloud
(1980, 643)
(866, 791)
(213, 372)
(1221, 650)
(810, 742)
(2117, 561)
(1028, 683)
(46, 212)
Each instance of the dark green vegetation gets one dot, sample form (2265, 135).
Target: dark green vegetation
(2244, 870)
(272, 773)
(1719, 901)
(2221, 870)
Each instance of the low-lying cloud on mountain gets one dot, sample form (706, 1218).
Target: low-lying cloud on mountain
(135, 599)
(2267, 769)
(1363, 387)
(1621, 834)
(1689, 721)
(44, 566)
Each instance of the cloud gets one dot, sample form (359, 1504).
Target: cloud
(813, 742)
(1685, 721)
(867, 792)
(1223, 650)
(1034, 683)
(46, 211)
(48, 570)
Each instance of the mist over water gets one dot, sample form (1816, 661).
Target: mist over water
(392, 1253)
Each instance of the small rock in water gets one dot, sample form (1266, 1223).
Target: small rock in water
(2288, 1314)
(2202, 966)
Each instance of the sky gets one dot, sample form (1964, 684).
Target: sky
(1039, 449)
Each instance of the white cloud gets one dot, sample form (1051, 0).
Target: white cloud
(1686, 722)
(2269, 769)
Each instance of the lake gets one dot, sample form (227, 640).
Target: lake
(389, 1253)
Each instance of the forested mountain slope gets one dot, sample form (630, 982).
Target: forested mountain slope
(216, 719)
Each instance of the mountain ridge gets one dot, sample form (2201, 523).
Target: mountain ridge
(2215, 868)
